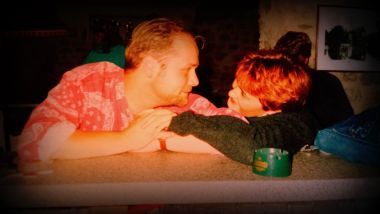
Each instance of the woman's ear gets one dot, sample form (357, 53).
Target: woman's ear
(306, 60)
(303, 59)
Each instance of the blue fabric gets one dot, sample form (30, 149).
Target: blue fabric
(356, 139)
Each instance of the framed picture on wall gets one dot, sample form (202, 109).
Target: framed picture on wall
(348, 39)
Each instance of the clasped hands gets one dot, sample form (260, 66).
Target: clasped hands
(148, 127)
(143, 134)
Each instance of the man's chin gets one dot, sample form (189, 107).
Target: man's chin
(182, 100)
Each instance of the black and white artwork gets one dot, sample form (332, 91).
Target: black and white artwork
(348, 39)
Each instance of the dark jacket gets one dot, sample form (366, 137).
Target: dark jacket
(327, 99)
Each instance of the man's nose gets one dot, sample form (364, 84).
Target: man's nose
(193, 79)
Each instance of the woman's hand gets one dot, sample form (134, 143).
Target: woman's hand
(189, 144)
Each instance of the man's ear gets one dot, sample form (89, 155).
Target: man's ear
(150, 66)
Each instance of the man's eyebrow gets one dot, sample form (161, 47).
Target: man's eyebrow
(191, 66)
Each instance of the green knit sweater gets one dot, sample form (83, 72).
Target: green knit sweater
(237, 139)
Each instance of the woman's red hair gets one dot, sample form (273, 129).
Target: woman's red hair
(279, 83)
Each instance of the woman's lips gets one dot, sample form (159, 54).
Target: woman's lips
(230, 102)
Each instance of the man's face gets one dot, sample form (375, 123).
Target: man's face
(177, 76)
(243, 102)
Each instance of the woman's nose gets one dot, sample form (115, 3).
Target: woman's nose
(231, 92)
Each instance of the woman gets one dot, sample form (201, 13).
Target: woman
(270, 91)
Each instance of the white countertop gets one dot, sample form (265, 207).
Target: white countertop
(179, 178)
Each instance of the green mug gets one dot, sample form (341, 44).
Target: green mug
(271, 162)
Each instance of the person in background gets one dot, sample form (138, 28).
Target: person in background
(327, 100)
(108, 44)
(270, 91)
(100, 109)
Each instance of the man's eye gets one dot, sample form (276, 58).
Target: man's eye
(186, 70)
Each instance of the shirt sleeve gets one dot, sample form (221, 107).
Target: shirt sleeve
(202, 106)
(52, 122)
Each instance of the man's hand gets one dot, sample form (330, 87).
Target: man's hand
(147, 127)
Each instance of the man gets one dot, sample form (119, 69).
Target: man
(327, 100)
(100, 109)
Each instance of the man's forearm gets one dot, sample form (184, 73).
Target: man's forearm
(93, 144)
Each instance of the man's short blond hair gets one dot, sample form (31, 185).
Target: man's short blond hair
(153, 37)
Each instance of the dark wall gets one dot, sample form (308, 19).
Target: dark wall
(35, 62)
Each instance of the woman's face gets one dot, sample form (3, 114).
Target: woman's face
(243, 102)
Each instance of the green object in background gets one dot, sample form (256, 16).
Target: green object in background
(271, 162)
(116, 56)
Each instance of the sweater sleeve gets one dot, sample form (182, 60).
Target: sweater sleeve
(230, 135)
(237, 139)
